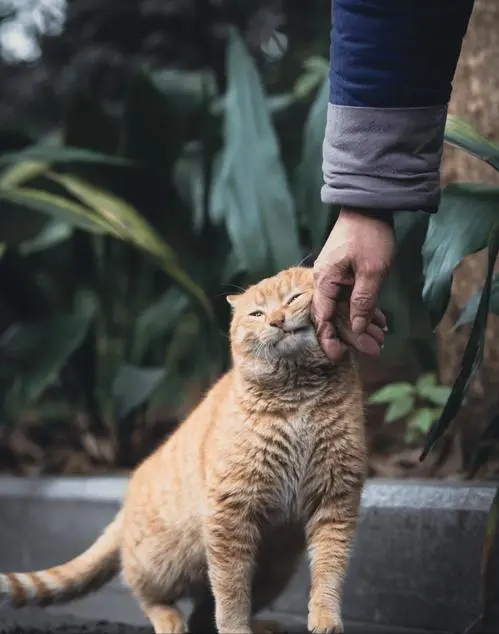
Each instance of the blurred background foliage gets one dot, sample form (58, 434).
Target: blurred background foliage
(153, 157)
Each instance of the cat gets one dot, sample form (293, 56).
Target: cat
(269, 465)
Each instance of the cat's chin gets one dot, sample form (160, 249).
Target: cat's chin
(293, 342)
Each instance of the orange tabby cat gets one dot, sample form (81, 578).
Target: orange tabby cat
(271, 462)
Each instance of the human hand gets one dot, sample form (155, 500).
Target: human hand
(348, 273)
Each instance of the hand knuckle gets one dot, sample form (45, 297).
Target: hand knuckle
(363, 302)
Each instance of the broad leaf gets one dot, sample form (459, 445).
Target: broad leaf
(390, 393)
(469, 311)
(426, 380)
(473, 353)
(422, 420)
(36, 353)
(133, 387)
(400, 297)
(128, 224)
(399, 408)
(156, 320)
(250, 190)
(460, 228)
(464, 136)
(436, 394)
(312, 212)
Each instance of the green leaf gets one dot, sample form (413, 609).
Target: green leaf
(250, 190)
(57, 155)
(156, 320)
(129, 225)
(391, 392)
(473, 353)
(20, 173)
(422, 420)
(58, 207)
(399, 408)
(426, 380)
(436, 394)
(317, 64)
(36, 353)
(53, 233)
(307, 83)
(312, 212)
(460, 228)
(400, 297)
(133, 387)
(189, 179)
(469, 311)
(464, 136)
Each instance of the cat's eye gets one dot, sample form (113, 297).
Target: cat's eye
(293, 297)
(256, 313)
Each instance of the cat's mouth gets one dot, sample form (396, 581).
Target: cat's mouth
(295, 331)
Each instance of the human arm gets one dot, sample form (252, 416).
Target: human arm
(391, 70)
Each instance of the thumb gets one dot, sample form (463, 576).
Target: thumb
(363, 301)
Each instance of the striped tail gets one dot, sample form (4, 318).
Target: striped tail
(85, 574)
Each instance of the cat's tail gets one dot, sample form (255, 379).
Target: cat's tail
(80, 576)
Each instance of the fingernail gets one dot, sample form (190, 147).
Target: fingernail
(359, 325)
(385, 329)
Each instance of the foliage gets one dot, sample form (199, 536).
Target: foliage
(419, 404)
(127, 228)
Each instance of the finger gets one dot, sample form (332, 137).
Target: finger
(369, 343)
(379, 320)
(363, 301)
(328, 290)
(376, 333)
(323, 308)
(333, 347)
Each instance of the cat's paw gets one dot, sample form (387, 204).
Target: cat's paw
(261, 626)
(324, 623)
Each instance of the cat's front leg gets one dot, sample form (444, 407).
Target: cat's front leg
(231, 535)
(330, 533)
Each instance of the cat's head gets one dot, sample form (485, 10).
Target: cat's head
(272, 321)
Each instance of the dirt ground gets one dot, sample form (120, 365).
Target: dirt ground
(35, 622)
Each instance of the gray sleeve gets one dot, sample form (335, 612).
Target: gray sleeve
(383, 158)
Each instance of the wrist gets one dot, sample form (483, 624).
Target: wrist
(381, 215)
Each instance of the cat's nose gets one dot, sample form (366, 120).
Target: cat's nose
(277, 321)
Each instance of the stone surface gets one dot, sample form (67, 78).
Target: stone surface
(416, 561)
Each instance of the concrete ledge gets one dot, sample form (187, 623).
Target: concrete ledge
(416, 561)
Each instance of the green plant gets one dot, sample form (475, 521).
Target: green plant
(419, 404)
(123, 231)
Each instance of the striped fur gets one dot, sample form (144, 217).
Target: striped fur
(86, 573)
(270, 464)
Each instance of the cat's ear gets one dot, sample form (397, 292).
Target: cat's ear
(232, 300)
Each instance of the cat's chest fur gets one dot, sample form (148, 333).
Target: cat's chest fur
(297, 439)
